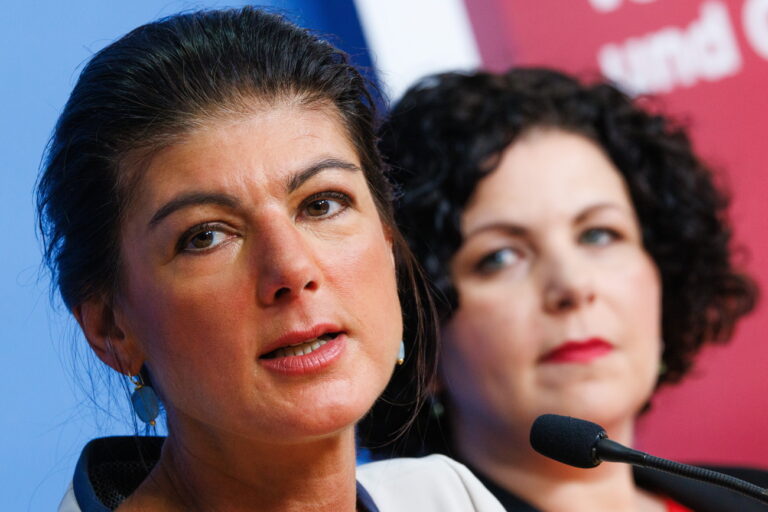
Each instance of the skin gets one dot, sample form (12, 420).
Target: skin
(285, 250)
(552, 252)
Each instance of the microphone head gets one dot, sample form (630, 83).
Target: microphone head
(567, 440)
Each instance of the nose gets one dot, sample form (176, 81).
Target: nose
(568, 285)
(286, 262)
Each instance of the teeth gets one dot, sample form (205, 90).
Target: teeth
(303, 348)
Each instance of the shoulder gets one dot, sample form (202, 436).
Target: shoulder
(109, 469)
(433, 483)
(69, 502)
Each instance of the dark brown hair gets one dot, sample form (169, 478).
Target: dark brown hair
(161, 81)
(449, 131)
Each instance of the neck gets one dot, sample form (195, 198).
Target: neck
(228, 473)
(545, 483)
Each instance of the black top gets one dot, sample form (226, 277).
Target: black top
(111, 468)
(698, 496)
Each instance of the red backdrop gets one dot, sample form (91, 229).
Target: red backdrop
(707, 61)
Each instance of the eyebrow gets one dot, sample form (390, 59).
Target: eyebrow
(193, 199)
(520, 231)
(301, 177)
(506, 227)
(592, 209)
(219, 199)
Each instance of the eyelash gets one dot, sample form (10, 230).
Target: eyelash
(343, 199)
(187, 237)
(612, 233)
(486, 266)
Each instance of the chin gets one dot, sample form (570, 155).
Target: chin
(325, 417)
(614, 409)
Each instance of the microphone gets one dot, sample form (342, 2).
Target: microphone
(584, 444)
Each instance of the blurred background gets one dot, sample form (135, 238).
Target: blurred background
(705, 60)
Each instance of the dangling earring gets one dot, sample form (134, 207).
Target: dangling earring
(144, 401)
(401, 354)
(662, 363)
(436, 407)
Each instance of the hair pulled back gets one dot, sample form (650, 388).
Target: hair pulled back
(160, 82)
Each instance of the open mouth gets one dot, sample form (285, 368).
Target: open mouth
(300, 349)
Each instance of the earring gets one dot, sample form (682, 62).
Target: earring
(662, 363)
(144, 401)
(401, 354)
(662, 368)
(436, 407)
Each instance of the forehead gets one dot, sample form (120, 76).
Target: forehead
(261, 148)
(547, 174)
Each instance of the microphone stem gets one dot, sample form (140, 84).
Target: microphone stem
(608, 450)
(707, 475)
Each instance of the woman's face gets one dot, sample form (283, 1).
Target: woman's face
(558, 300)
(259, 281)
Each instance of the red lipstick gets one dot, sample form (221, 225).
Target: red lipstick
(583, 351)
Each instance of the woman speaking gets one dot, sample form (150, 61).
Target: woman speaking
(216, 218)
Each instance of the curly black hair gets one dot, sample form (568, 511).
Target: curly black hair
(449, 131)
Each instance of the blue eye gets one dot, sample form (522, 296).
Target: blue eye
(497, 260)
(598, 236)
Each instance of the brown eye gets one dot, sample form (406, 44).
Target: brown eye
(202, 240)
(325, 205)
(318, 208)
(203, 237)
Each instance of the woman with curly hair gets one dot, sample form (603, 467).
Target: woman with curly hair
(584, 256)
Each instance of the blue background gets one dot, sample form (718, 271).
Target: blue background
(55, 395)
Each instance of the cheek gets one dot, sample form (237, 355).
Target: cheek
(500, 320)
(488, 338)
(637, 299)
(359, 267)
(363, 276)
(640, 290)
(182, 320)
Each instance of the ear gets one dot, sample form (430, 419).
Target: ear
(389, 237)
(116, 349)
